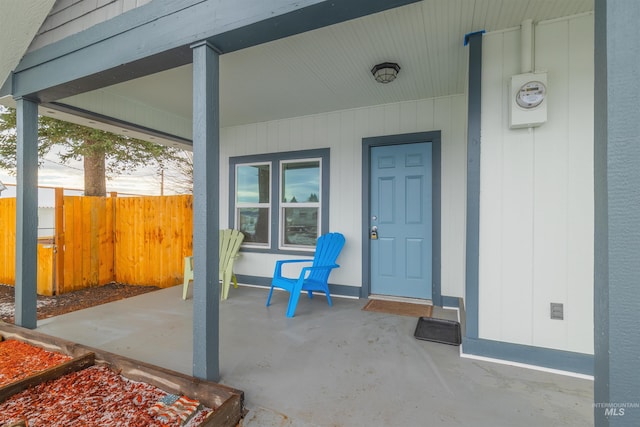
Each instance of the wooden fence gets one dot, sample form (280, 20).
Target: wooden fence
(8, 250)
(98, 240)
(87, 241)
(7, 240)
(152, 237)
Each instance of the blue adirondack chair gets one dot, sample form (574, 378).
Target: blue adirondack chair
(313, 278)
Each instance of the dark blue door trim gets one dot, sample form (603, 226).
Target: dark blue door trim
(432, 137)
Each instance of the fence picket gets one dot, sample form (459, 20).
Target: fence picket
(45, 270)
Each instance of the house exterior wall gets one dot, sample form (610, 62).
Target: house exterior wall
(68, 17)
(46, 221)
(536, 206)
(342, 132)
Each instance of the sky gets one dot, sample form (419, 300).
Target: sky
(70, 176)
(145, 181)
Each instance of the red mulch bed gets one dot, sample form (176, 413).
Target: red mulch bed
(92, 397)
(95, 396)
(19, 360)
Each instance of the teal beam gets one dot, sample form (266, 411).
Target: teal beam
(206, 208)
(26, 213)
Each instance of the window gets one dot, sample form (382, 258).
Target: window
(253, 202)
(300, 197)
(280, 201)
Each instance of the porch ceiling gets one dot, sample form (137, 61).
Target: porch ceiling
(325, 69)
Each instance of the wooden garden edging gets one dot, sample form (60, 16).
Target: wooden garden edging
(227, 402)
(73, 365)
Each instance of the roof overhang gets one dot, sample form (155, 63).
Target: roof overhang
(19, 23)
(157, 37)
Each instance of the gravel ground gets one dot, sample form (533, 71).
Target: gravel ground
(72, 301)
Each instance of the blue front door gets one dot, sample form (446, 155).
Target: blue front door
(400, 213)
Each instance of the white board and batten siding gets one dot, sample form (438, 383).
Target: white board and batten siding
(342, 132)
(536, 206)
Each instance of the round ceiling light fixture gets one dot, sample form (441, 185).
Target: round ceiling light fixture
(385, 72)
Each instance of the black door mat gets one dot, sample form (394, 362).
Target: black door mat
(438, 330)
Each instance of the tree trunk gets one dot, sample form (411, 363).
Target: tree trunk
(95, 179)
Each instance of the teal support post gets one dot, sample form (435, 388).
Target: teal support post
(617, 214)
(206, 207)
(474, 112)
(26, 213)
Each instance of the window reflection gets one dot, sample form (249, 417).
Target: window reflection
(253, 184)
(253, 202)
(254, 224)
(300, 198)
(301, 182)
(301, 226)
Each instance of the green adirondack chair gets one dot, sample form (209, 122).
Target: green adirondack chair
(230, 241)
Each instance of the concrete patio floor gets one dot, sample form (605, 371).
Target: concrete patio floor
(337, 366)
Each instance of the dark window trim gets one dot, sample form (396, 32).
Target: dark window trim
(274, 159)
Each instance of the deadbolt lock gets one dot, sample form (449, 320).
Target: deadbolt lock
(374, 233)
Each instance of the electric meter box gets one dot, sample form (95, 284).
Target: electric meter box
(527, 100)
